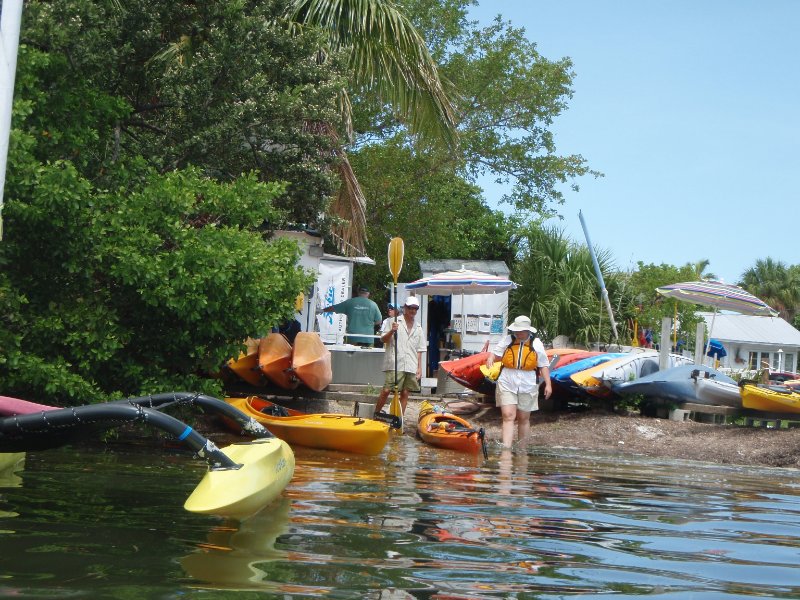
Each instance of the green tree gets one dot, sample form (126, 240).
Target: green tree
(436, 212)
(222, 86)
(648, 308)
(558, 287)
(507, 98)
(776, 284)
(125, 269)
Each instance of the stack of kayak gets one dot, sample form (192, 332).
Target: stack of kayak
(685, 383)
(574, 373)
(275, 361)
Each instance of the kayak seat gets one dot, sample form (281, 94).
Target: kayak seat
(275, 411)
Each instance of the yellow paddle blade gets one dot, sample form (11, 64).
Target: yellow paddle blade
(267, 467)
(396, 251)
(492, 373)
(396, 409)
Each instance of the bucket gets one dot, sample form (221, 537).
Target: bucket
(365, 410)
(679, 415)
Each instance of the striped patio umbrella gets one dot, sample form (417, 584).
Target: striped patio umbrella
(719, 296)
(461, 281)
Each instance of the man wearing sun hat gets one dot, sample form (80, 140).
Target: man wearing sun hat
(517, 393)
(411, 343)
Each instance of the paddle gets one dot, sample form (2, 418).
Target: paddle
(396, 251)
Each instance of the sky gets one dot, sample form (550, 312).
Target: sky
(691, 110)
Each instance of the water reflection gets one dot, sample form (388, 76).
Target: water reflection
(235, 553)
(415, 522)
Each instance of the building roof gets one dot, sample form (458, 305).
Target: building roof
(747, 329)
(493, 267)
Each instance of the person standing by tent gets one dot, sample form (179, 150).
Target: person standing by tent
(517, 394)
(363, 317)
(411, 343)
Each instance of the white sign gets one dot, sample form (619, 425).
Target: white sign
(333, 286)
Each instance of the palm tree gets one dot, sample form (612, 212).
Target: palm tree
(776, 284)
(558, 288)
(699, 268)
(387, 58)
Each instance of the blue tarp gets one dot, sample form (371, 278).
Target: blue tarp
(716, 349)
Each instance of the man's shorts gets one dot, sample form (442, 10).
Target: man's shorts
(405, 381)
(526, 401)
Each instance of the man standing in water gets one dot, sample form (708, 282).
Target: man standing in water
(411, 343)
(517, 392)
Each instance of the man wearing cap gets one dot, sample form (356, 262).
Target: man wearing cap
(517, 391)
(363, 317)
(411, 343)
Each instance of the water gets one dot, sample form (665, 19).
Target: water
(414, 522)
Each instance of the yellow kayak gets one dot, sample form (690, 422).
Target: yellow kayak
(328, 431)
(267, 467)
(770, 398)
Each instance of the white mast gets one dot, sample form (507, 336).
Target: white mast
(9, 42)
(603, 290)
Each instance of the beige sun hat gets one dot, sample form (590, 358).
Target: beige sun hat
(522, 323)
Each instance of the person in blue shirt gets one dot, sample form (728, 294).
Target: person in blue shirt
(363, 317)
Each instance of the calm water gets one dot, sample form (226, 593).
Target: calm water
(412, 523)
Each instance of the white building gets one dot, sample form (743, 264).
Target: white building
(754, 343)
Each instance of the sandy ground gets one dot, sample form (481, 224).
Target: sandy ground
(596, 429)
(601, 430)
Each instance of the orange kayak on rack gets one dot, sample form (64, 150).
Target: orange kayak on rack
(446, 430)
(275, 361)
(246, 367)
(328, 431)
(311, 361)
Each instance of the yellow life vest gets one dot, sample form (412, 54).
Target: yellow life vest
(520, 355)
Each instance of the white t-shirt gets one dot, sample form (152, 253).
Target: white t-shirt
(409, 343)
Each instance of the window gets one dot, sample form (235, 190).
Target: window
(788, 362)
(752, 362)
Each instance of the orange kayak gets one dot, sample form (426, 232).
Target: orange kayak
(275, 361)
(327, 431)
(446, 430)
(246, 367)
(311, 361)
(467, 372)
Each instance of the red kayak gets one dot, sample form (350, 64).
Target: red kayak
(467, 372)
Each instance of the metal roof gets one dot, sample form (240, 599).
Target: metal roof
(770, 331)
(493, 267)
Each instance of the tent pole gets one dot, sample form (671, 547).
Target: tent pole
(710, 330)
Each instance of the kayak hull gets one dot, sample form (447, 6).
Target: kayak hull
(326, 431)
(311, 361)
(267, 466)
(434, 428)
(773, 398)
(275, 361)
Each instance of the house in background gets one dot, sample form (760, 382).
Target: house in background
(754, 343)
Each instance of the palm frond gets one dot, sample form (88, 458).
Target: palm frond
(387, 56)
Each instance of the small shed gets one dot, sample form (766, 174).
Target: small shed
(755, 343)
